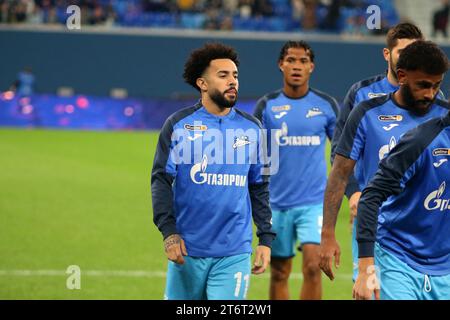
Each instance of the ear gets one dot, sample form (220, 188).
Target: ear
(280, 65)
(201, 83)
(312, 67)
(402, 77)
(386, 54)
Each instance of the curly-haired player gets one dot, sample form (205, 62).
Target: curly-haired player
(203, 205)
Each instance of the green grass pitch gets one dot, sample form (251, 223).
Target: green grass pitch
(83, 198)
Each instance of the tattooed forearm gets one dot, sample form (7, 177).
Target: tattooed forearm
(334, 192)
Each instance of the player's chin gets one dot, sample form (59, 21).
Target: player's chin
(422, 108)
(231, 101)
(231, 96)
(297, 82)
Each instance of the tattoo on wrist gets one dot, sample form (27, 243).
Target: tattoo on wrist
(171, 240)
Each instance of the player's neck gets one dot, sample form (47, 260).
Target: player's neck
(213, 108)
(295, 92)
(398, 98)
(392, 79)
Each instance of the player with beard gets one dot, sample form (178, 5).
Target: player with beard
(375, 126)
(397, 38)
(403, 220)
(203, 204)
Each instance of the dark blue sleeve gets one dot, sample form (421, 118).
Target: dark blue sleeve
(259, 188)
(331, 125)
(353, 137)
(259, 112)
(261, 211)
(344, 112)
(390, 179)
(161, 182)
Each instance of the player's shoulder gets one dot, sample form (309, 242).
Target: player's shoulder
(327, 98)
(377, 102)
(423, 137)
(363, 108)
(367, 82)
(442, 103)
(248, 118)
(183, 113)
(262, 102)
(445, 120)
(432, 126)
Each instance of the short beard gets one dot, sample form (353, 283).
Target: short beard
(391, 66)
(414, 105)
(220, 100)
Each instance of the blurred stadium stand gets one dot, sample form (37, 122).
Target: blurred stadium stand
(330, 16)
(123, 69)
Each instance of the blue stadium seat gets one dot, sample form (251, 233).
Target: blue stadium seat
(192, 20)
(278, 24)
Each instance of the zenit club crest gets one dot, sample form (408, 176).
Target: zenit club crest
(313, 112)
(241, 141)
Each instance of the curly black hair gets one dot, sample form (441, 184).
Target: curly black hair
(296, 44)
(199, 60)
(424, 56)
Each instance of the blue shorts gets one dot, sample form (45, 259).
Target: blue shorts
(400, 282)
(354, 251)
(302, 224)
(224, 278)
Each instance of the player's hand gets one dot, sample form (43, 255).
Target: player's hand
(175, 248)
(262, 259)
(353, 204)
(366, 285)
(329, 248)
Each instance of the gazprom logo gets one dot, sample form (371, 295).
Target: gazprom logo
(283, 139)
(200, 176)
(384, 150)
(284, 129)
(199, 168)
(434, 201)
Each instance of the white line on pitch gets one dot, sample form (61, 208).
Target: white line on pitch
(126, 273)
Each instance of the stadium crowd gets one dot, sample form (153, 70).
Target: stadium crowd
(347, 16)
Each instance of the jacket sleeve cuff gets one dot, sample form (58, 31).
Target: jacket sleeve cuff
(366, 249)
(168, 229)
(351, 189)
(266, 239)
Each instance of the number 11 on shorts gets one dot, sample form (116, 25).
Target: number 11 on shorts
(238, 277)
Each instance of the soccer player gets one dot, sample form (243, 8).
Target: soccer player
(304, 118)
(397, 38)
(408, 235)
(203, 202)
(374, 127)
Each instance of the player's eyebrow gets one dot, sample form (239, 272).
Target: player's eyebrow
(302, 59)
(428, 84)
(225, 72)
